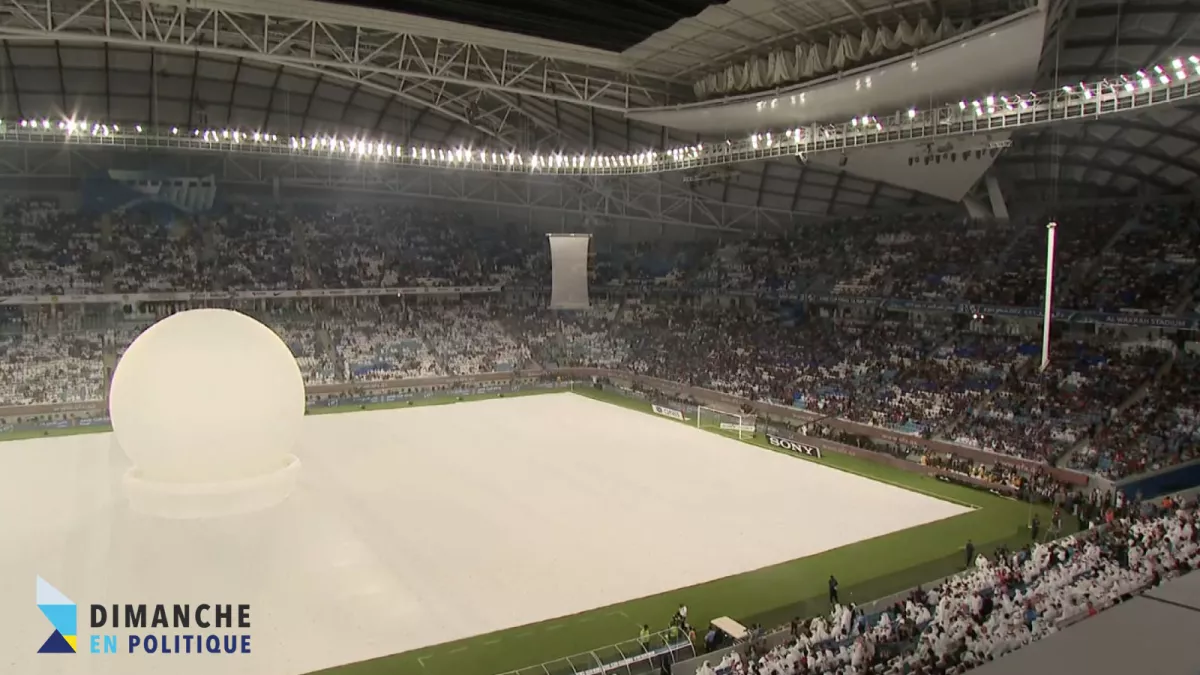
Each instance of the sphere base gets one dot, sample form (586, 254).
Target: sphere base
(210, 500)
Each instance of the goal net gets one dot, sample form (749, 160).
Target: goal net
(719, 420)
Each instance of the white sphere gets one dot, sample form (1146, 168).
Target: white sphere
(207, 395)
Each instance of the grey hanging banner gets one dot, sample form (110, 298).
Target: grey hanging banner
(569, 275)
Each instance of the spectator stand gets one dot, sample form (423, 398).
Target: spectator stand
(1156, 429)
(780, 636)
(1045, 414)
(923, 377)
(1155, 631)
(999, 606)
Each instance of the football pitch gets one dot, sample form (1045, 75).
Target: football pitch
(802, 531)
(771, 596)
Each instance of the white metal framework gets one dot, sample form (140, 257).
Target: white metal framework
(995, 114)
(312, 70)
(658, 204)
(476, 77)
(563, 197)
(1155, 152)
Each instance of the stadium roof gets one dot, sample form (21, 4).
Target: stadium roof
(729, 32)
(301, 67)
(614, 25)
(1153, 153)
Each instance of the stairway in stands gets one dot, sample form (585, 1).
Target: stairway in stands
(1086, 273)
(616, 315)
(1146, 389)
(1184, 290)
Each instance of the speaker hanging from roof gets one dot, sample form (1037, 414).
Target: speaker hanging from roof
(569, 270)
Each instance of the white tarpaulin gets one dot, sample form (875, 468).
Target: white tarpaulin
(569, 265)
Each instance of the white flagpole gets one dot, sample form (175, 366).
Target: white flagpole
(1049, 309)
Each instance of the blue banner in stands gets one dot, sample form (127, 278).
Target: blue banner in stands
(1148, 320)
(163, 196)
(1190, 322)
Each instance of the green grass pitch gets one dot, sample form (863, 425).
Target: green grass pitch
(771, 596)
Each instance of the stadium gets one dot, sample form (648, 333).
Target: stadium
(765, 337)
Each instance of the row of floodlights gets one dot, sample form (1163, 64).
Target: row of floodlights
(1142, 79)
(989, 105)
(99, 129)
(992, 104)
(380, 150)
(799, 135)
(1128, 83)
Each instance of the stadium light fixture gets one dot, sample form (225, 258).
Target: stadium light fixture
(764, 144)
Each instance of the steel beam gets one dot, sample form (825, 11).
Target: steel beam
(1067, 143)
(1088, 165)
(364, 52)
(1137, 9)
(629, 199)
(903, 127)
(445, 75)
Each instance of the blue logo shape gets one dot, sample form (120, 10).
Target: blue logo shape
(62, 614)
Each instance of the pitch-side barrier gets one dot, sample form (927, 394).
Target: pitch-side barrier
(638, 656)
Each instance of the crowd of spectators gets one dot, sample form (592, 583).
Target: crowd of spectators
(570, 338)
(930, 376)
(51, 367)
(1159, 429)
(48, 249)
(1028, 485)
(997, 606)
(1112, 408)
(469, 338)
(1143, 269)
(1098, 404)
(1044, 413)
(1112, 258)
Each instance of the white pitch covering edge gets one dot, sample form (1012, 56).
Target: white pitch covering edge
(419, 526)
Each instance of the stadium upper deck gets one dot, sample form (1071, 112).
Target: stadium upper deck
(310, 69)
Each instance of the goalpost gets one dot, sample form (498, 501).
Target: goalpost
(719, 420)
